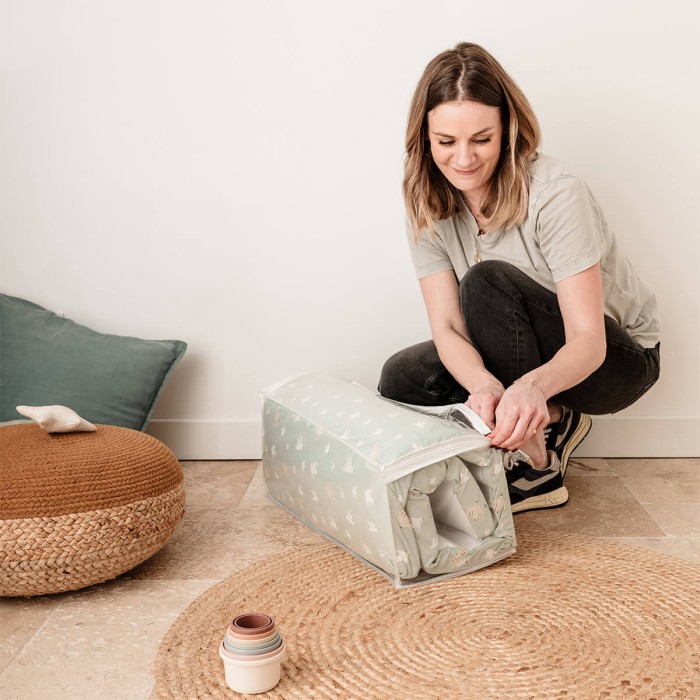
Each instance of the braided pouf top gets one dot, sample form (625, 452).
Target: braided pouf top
(566, 617)
(49, 475)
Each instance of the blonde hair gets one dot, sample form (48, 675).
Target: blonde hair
(469, 72)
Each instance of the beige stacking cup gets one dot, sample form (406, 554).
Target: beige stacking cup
(252, 652)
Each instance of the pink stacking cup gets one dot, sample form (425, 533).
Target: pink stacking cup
(252, 624)
(253, 638)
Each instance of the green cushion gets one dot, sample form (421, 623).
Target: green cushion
(46, 359)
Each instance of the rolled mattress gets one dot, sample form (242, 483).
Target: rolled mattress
(414, 494)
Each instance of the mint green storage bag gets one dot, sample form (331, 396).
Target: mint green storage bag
(416, 496)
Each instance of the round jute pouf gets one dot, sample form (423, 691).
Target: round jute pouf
(566, 617)
(81, 508)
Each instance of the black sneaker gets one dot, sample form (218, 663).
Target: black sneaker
(564, 437)
(532, 489)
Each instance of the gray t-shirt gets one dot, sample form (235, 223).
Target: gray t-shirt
(565, 233)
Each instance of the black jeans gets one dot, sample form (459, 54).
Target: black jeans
(516, 326)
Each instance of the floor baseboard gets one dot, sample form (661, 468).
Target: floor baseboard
(611, 436)
(209, 439)
(641, 436)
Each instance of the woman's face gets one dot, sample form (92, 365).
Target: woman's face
(465, 142)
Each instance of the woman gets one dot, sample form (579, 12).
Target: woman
(537, 320)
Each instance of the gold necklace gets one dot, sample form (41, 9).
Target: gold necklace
(480, 232)
(477, 255)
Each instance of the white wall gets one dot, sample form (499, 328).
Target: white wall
(228, 173)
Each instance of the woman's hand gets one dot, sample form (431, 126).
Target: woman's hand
(484, 400)
(521, 412)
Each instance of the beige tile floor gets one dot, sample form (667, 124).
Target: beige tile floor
(101, 642)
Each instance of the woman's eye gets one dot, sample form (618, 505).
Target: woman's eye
(482, 141)
(445, 143)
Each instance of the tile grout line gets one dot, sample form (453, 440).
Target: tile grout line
(670, 503)
(659, 525)
(245, 491)
(28, 641)
(641, 505)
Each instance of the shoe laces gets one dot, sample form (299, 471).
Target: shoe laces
(515, 457)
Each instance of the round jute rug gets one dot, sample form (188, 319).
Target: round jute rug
(566, 617)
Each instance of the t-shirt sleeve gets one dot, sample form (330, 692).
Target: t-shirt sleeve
(428, 253)
(569, 227)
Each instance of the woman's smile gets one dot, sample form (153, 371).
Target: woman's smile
(465, 173)
(465, 142)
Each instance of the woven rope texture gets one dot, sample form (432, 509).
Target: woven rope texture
(566, 617)
(46, 474)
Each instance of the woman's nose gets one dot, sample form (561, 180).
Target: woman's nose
(465, 154)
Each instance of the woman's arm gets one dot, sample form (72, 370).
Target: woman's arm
(463, 362)
(523, 405)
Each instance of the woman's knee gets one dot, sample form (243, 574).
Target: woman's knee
(406, 371)
(487, 274)
(390, 377)
(485, 293)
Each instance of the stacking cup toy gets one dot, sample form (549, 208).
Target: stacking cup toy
(252, 652)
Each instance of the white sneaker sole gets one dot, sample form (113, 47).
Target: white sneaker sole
(575, 440)
(544, 500)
